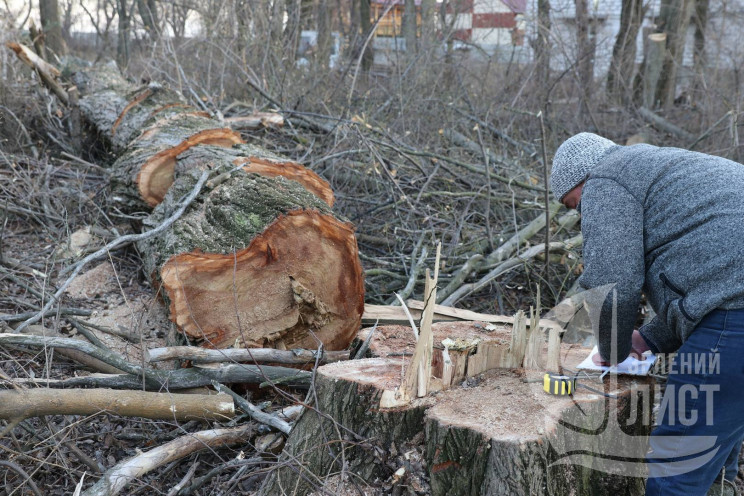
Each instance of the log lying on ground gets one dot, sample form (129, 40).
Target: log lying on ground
(260, 261)
(150, 160)
(21, 404)
(498, 434)
(257, 259)
(174, 380)
(258, 161)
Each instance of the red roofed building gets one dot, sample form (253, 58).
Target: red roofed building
(481, 22)
(488, 22)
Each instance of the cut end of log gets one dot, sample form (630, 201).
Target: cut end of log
(292, 171)
(137, 99)
(301, 275)
(156, 175)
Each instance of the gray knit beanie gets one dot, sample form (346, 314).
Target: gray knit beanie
(573, 161)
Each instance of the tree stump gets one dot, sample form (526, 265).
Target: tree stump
(496, 433)
(347, 428)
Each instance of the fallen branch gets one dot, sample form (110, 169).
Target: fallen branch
(250, 355)
(19, 405)
(116, 478)
(113, 245)
(664, 125)
(252, 410)
(510, 264)
(16, 317)
(154, 379)
(47, 72)
(501, 253)
(182, 378)
(530, 150)
(460, 139)
(255, 121)
(75, 355)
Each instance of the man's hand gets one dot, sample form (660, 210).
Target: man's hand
(638, 346)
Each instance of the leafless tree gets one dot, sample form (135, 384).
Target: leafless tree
(148, 11)
(52, 28)
(622, 65)
(123, 10)
(541, 47)
(585, 49)
(409, 26)
(674, 18)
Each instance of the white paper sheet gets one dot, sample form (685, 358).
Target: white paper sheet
(630, 366)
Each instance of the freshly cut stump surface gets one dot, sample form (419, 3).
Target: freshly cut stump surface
(495, 433)
(503, 435)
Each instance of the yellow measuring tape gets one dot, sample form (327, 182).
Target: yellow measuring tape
(559, 385)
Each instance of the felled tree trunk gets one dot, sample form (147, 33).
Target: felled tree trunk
(259, 258)
(495, 433)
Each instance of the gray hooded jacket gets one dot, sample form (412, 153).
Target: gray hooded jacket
(670, 222)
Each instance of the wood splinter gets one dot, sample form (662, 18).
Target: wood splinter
(417, 380)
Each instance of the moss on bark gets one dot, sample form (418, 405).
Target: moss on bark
(226, 218)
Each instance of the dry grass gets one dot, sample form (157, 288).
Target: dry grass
(380, 139)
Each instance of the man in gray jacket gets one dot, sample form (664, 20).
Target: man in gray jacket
(668, 222)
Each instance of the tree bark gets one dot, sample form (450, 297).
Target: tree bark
(259, 260)
(255, 355)
(292, 29)
(585, 55)
(148, 11)
(409, 27)
(508, 437)
(323, 26)
(17, 405)
(187, 378)
(622, 65)
(542, 49)
(122, 39)
(368, 56)
(674, 17)
(52, 28)
(346, 428)
(700, 18)
(428, 23)
(647, 80)
(116, 478)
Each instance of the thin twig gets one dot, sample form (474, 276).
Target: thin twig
(113, 245)
(541, 115)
